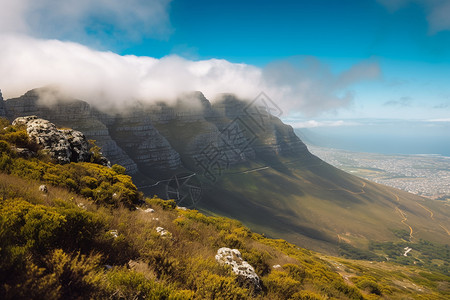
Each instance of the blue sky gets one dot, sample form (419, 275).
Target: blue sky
(341, 59)
(258, 32)
(414, 60)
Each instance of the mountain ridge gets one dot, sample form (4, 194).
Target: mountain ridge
(247, 165)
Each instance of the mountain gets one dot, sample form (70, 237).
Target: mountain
(82, 230)
(237, 159)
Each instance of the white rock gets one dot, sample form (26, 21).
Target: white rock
(114, 233)
(232, 257)
(43, 188)
(163, 232)
(276, 267)
(149, 210)
(64, 146)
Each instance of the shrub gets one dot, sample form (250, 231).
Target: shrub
(128, 284)
(368, 284)
(165, 204)
(212, 286)
(306, 295)
(89, 182)
(119, 169)
(77, 276)
(281, 284)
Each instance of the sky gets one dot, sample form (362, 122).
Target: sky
(324, 62)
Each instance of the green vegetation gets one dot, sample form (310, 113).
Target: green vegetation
(433, 256)
(102, 185)
(84, 238)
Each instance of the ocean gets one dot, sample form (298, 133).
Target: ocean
(385, 138)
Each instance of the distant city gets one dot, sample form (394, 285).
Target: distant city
(424, 175)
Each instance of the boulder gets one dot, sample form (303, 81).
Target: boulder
(24, 152)
(163, 232)
(63, 145)
(2, 106)
(43, 188)
(232, 257)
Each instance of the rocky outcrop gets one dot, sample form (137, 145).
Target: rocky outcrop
(2, 106)
(63, 145)
(160, 138)
(233, 258)
(75, 114)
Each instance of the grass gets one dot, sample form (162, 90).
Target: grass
(324, 198)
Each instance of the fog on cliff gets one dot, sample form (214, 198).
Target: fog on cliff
(105, 78)
(29, 59)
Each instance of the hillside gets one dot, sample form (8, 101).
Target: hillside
(241, 161)
(90, 234)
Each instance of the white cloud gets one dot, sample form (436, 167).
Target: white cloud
(86, 21)
(28, 59)
(444, 120)
(107, 79)
(311, 88)
(314, 124)
(437, 11)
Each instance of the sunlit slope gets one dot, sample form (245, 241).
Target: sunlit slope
(311, 203)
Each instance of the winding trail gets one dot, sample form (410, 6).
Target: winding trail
(404, 219)
(432, 217)
(446, 230)
(351, 192)
(428, 210)
(402, 215)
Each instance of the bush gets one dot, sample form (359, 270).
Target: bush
(281, 284)
(212, 286)
(368, 284)
(306, 295)
(128, 284)
(77, 276)
(165, 204)
(119, 169)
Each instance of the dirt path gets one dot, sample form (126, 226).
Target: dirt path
(404, 219)
(351, 192)
(428, 210)
(402, 215)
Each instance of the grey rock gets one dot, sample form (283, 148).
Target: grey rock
(114, 233)
(2, 106)
(163, 232)
(64, 146)
(24, 152)
(43, 188)
(232, 257)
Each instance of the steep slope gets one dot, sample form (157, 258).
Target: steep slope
(66, 241)
(238, 159)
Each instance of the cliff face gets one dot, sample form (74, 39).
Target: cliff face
(192, 134)
(73, 114)
(2, 106)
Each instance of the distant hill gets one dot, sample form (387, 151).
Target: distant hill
(237, 159)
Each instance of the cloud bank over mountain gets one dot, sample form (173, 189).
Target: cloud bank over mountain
(37, 51)
(107, 79)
